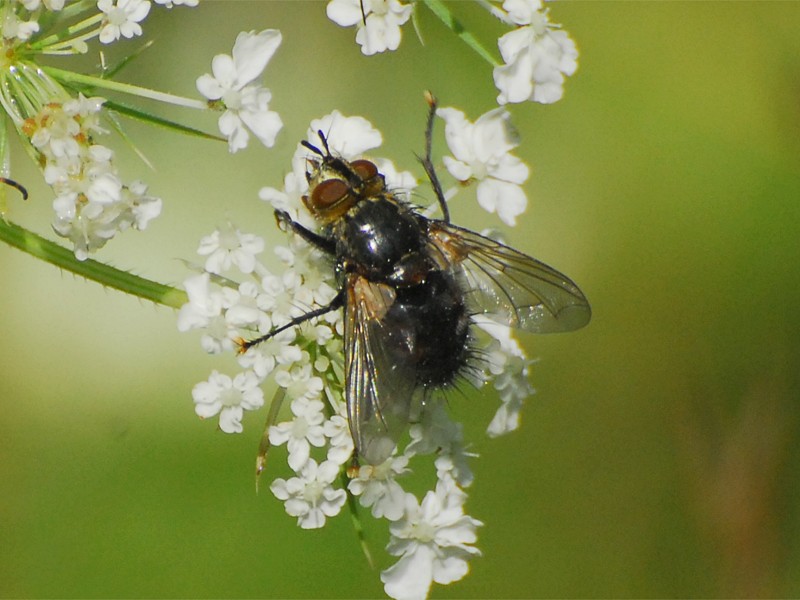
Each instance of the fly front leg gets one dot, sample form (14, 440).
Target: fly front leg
(286, 222)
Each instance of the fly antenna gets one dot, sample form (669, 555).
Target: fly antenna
(324, 142)
(312, 147)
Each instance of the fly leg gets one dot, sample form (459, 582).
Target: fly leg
(334, 304)
(318, 241)
(427, 162)
(285, 221)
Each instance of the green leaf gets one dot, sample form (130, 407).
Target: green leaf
(443, 13)
(151, 119)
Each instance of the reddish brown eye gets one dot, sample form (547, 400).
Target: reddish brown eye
(364, 169)
(328, 193)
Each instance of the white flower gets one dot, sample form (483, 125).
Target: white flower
(376, 487)
(437, 432)
(514, 388)
(280, 349)
(143, 207)
(348, 137)
(54, 5)
(246, 103)
(204, 310)
(228, 246)
(228, 397)
(481, 151)
(508, 365)
(434, 541)
(537, 56)
(122, 18)
(378, 21)
(171, 3)
(311, 497)
(337, 430)
(92, 203)
(401, 183)
(301, 432)
(14, 28)
(434, 431)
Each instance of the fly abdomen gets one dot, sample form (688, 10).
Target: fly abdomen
(435, 312)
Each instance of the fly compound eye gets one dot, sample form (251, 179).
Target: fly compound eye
(364, 168)
(329, 193)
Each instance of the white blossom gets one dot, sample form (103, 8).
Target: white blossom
(228, 246)
(376, 487)
(481, 151)
(299, 381)
(508, 366)
(433, 540)
(537, 56)
(348, 137)
(301, 432)
(377, 21)
(92, 203)
(337, 430)
(122, 18)
(228, 397)
(311, 497)
(171, 3)
(246, 103)
(238, 297)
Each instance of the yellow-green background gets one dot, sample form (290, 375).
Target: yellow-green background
(659, 457)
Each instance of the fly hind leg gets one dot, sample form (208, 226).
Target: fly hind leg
(336, 303)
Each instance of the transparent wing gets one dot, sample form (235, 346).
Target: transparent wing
(380, 376)
(509, 285)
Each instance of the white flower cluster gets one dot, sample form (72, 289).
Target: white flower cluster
(237, 296)
(537, 55)
(112, 20)
(245, 103)
(59, 127)
(481, 153)
(377, 22)
(92, 203)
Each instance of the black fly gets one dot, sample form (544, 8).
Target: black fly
(408, 285)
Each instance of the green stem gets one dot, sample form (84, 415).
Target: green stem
(352, 504)
(48, 251)
(69, 77)
(62, 37)
(443, 13)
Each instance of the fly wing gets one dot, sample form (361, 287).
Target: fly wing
(380, 376)
(509, 285)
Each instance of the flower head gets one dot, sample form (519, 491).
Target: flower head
(246, 103)
(377, 21)
(229, 246)
(481, 151)
(301, 432)
(377, 487)
(537, 56)
(433, 540)
(92, 202)
(311, 496)
(228, 397)
(508, 367)
(122, 18)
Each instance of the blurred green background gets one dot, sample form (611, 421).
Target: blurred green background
(659, 455)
